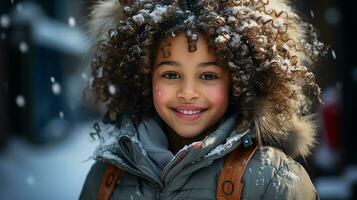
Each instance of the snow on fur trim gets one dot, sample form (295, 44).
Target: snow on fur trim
(105, 16)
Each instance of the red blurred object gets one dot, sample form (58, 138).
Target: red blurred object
(331, 113)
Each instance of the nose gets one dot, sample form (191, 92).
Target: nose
(188, 92)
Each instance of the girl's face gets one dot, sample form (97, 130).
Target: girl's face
(190, 91)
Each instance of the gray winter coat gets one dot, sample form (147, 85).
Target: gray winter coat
(153, 172)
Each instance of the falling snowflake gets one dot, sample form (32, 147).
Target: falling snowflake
(333, 53)
(84, 76)
(30, 180)
(72, 22)
(112, 89)
(12, 1)
(56, 88)
(20, 101)
(61, 114)
(4, 21)
(53, 79)
(312, 14)
(24, 47)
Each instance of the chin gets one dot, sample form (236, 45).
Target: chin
(188, 134)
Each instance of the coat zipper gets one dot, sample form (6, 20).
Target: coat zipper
(183, 169)
(191, 166)
(158, 192)
(174, 161)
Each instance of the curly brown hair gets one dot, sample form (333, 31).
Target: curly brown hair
(264, 45)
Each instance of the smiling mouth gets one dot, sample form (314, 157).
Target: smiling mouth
(189, 115)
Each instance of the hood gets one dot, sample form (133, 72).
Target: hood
(296, 137)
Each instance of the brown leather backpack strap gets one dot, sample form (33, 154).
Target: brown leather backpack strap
(230, 184)
(110, 178)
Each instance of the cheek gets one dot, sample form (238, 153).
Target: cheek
(218, 96)
(160, 95)
(157, 91)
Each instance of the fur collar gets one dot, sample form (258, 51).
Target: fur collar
(296, 137)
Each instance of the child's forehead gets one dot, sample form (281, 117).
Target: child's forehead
(180, 65)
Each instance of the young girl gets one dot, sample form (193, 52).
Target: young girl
(187, 84)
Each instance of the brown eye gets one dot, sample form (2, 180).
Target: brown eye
(209, 77)
(171, 75)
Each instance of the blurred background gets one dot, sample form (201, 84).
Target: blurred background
(46, 114)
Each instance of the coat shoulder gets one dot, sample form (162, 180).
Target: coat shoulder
(91, 185)
(271, 174)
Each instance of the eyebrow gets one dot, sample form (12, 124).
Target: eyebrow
(176, 64)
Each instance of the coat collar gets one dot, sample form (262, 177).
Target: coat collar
(143, 148)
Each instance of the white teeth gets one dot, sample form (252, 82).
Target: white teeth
(189, 112)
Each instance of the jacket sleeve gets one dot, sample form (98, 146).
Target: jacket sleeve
(271, 174)
(91, 185)
(290, 182)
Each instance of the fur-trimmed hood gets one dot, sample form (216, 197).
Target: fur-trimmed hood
(295, 137)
